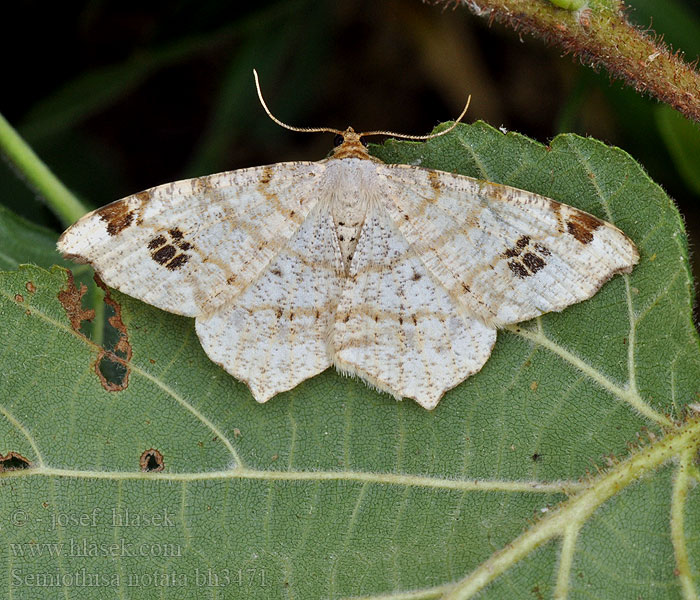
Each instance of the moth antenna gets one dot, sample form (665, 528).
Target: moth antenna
(282, 124)
(424, 137)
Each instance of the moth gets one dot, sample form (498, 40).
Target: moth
(396, 274)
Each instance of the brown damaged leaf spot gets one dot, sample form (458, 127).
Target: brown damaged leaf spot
(31, 288)
(112, 367)
(19, 298)
(117, 359)
(582, 226)
(71, 298)
(151, 461)
(13, 461)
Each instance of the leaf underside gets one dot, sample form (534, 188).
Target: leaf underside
(333, 490)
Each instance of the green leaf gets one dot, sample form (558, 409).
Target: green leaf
(23, 242)
(510, 487)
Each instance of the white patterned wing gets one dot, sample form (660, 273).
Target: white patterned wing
(507, 255)
(275, 334)
(190, 246)
(396, 326)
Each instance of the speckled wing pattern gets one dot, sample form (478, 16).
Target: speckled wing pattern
(398, 275)
(191, 246)
(506, 255)
(275, 334)
(397, 327)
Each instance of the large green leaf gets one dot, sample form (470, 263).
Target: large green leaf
(564, 467)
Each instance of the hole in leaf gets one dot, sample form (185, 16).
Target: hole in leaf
(13, 462)
(112, 364)
(152, 461)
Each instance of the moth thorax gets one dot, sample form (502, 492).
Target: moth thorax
(348, 217)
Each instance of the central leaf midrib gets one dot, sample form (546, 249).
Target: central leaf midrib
(566, 487)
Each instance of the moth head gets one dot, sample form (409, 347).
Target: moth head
(350, 144)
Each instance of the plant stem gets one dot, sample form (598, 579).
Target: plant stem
(33, 170)
(600, 35)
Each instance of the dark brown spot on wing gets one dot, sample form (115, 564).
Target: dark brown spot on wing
(177, 262)
(543, 250)
(533, 262)
(527, 257)
(518, 269)
(156, 242)
(165, 254)
(582, 226)
(117, 215)
(176, 234)
(517, 249)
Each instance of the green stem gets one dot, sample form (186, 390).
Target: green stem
(600, 35)
(59, 198)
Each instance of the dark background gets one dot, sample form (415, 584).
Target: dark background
(117, 97)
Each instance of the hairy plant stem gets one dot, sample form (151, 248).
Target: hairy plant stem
(600, 35)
